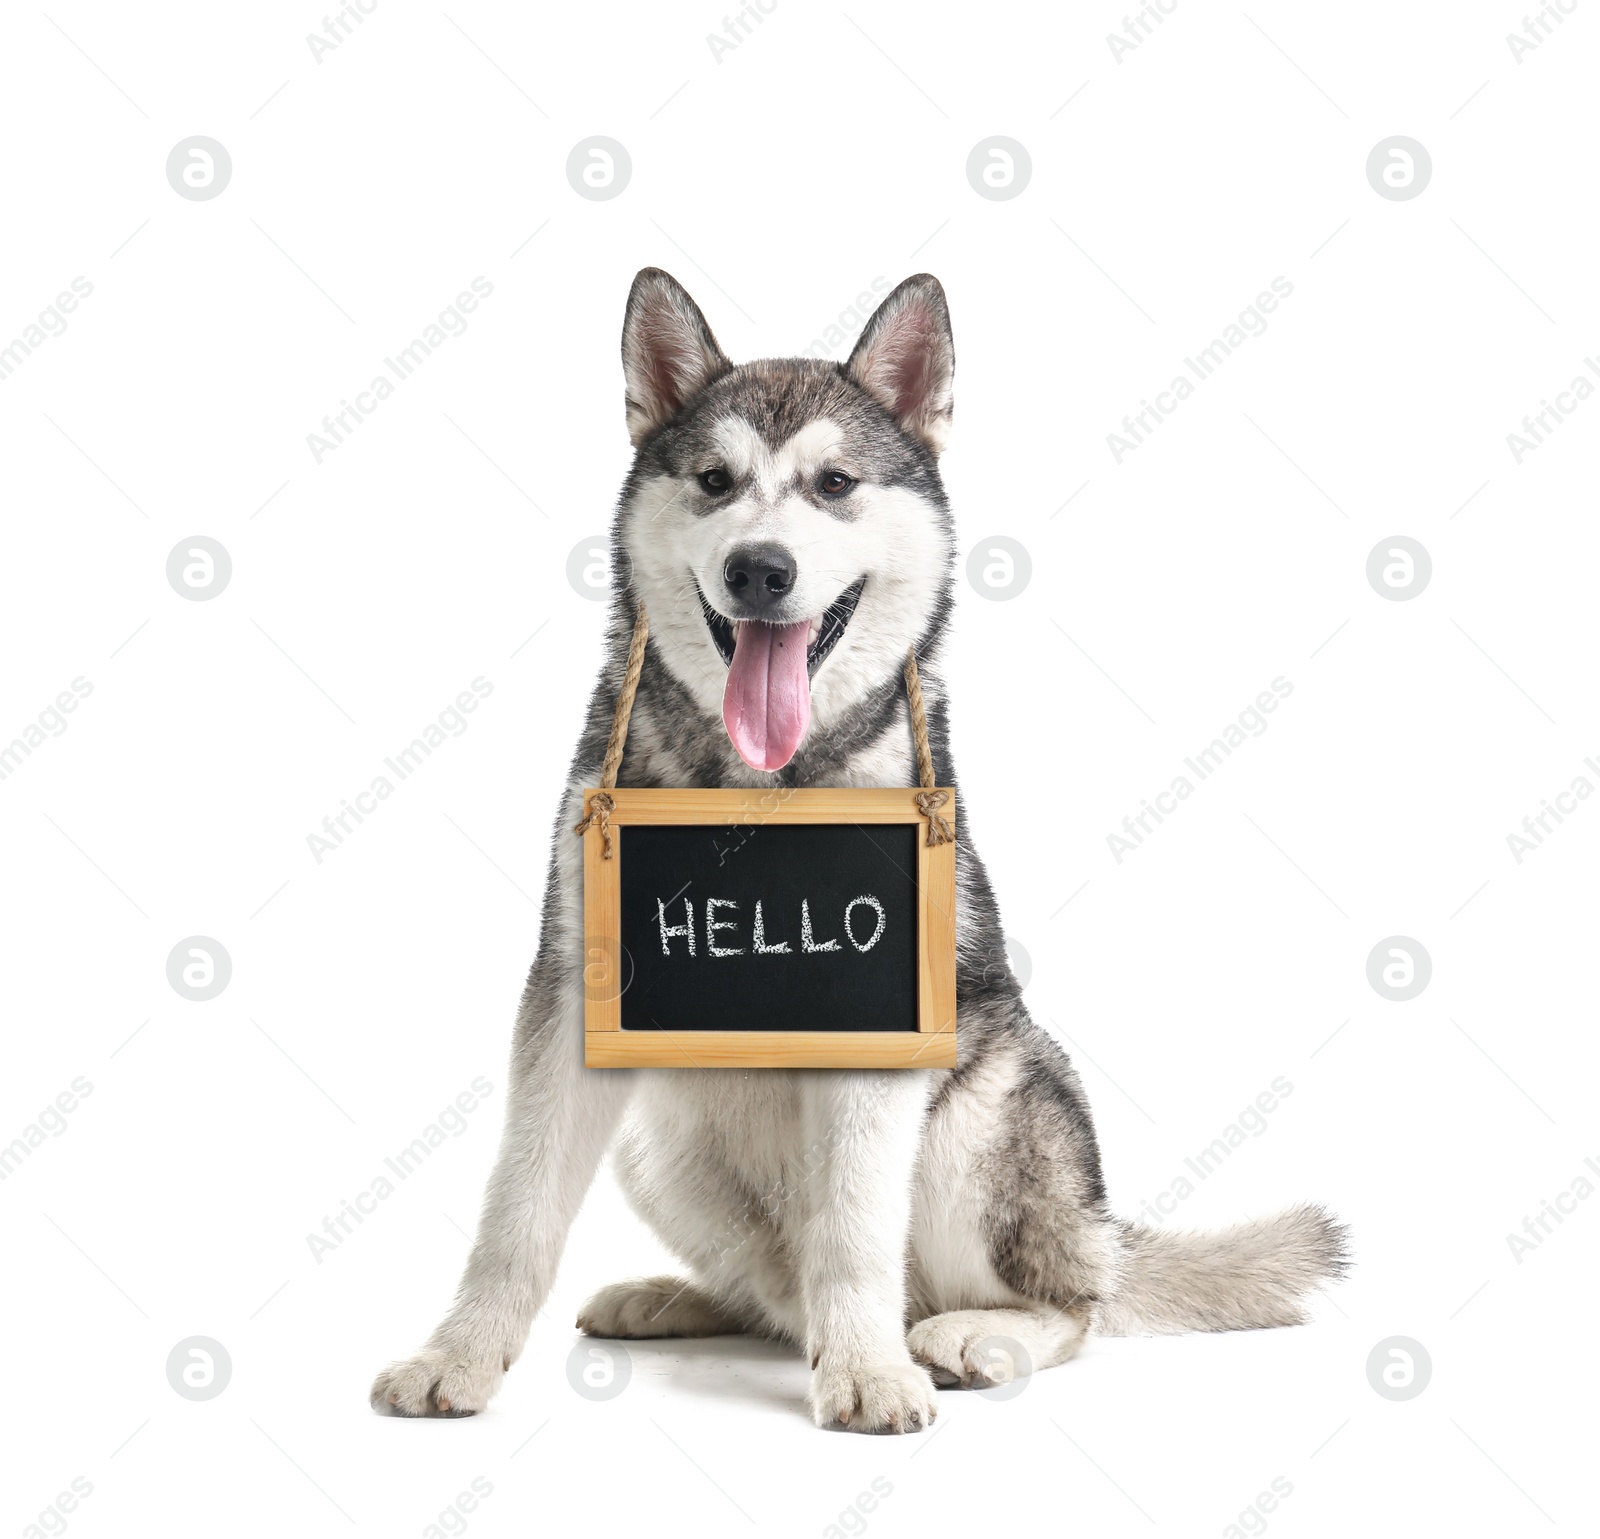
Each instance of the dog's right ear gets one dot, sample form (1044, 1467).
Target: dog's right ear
(906, 359)
(668, 352)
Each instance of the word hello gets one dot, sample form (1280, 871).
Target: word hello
(453, 1520)
(1252, 1121)
(51, 323)
(336, 28)
(53, 1520)
(1253, 718)
(759, 945)
(52, 719)
(1539, 425)
(736, 28)
(1537, 27)
(1253, 1520)
(1252, 322)
(1537, 824)
(453, 718)
(1537, 1226)
(452, 322)
(452, 1121)
(853, 1520)
(52, 1120)
(1139, 26)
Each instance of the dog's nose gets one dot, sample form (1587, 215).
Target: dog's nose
(760, 575)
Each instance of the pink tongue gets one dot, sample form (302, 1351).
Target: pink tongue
(767, 704)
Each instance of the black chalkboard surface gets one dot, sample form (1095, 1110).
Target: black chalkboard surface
(772, 927)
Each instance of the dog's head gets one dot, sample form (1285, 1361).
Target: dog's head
(784, 522)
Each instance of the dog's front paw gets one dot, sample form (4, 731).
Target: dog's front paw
(437, 1383)
(873, 1397)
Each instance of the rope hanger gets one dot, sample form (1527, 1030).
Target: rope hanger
(602, 804)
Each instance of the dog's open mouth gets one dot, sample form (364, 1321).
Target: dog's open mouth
(823, 636)
(766, 706)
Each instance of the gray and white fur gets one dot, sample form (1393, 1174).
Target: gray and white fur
(889, 1223)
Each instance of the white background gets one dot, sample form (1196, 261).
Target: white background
(827, 150)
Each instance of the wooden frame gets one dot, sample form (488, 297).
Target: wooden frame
(607, 1046)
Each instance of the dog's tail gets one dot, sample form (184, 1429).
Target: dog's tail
(1238, 1279)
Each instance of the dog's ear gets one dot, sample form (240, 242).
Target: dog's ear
(668, 352)
(906, 359)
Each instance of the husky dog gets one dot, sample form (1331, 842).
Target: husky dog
(785, 526)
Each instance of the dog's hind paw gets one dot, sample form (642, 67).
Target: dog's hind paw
(952, 1347)
(436, 1383)
(873, 1397)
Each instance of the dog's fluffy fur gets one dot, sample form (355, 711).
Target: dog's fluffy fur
(892, 1223)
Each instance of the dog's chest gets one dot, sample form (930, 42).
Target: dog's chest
(749, 1121)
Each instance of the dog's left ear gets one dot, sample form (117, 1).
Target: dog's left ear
(668, 352)
(906, 359)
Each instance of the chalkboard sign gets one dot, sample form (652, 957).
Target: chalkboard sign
(787, 928)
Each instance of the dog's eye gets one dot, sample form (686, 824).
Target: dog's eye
(834, 483)
(716, 481)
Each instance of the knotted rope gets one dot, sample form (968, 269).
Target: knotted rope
(602, 804)
(929, 799)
